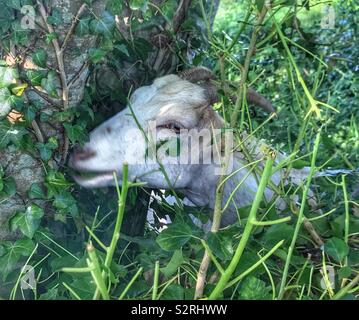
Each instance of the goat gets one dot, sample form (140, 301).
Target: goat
(172, 104)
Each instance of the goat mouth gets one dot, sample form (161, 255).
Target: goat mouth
(95, 179)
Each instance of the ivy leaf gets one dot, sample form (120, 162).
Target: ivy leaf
(28, 221)
(5, 103)
(122, 48)
(253, 288)
(83, 27)
(139, 5)
(6, 17)
(174, 237)
(9, 187)
(220, 245)
(96, 55)
(114, 6)
(51, 294)
(76, 133)
(173, 292)
(11, 133)
(45, 151)
(336, 248)
(55, 18)
(64, 200)
(104, 24)
(36, 192)
(39, 58)
(173, 265)
(13, 252)
(8, 76)
(49, 83)
(15, 4)
(36, 76)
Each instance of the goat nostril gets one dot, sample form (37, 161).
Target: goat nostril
(83, 154)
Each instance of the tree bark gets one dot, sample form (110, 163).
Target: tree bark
(68, 54)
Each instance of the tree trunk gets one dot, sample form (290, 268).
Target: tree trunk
(71, 63)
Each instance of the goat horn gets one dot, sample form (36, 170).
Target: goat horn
(197, 74)
(255, 98)
(204, 76)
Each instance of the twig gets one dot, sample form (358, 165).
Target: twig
(60, 62)
(78, 73)
(37, 131)
(73, 26)
(59, 56)
(201, 275)
(247, 61)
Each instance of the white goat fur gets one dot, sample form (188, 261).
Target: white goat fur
(168, 99)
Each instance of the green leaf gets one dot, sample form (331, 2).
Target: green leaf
(122, 48)
(15, 4)
(253, 288)
(8, 76)
(55, 18)
(173, 292)
(114, 6)
(9, 187)
(56, 181)
(83, 27)
(11, 133)
(76, 133)
(49, 83)
(5, 104)
(36, 76)
(96, 55)
(39, 58)
(45, 151)
(28, 221)
(336, 248)
(13, 252)
(174, 237)
(51, 294)
(104, 24)
(64, 200)
(36, 192)
(173, 265)
(220, 245)
(6, 17)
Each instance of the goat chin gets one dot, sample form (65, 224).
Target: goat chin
(97, 181)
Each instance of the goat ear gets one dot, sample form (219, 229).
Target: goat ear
(210, 119)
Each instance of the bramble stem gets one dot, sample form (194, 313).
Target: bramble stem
(222, 283)
(300, 217)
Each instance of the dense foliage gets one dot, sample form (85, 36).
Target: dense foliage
(292, 48)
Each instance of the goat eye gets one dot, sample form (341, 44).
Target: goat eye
(171, 126)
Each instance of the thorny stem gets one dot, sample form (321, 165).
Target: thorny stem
(94, 264)
(120, 212)
(221, 285)
(217, 213)
(247, 61)
(300, 217)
